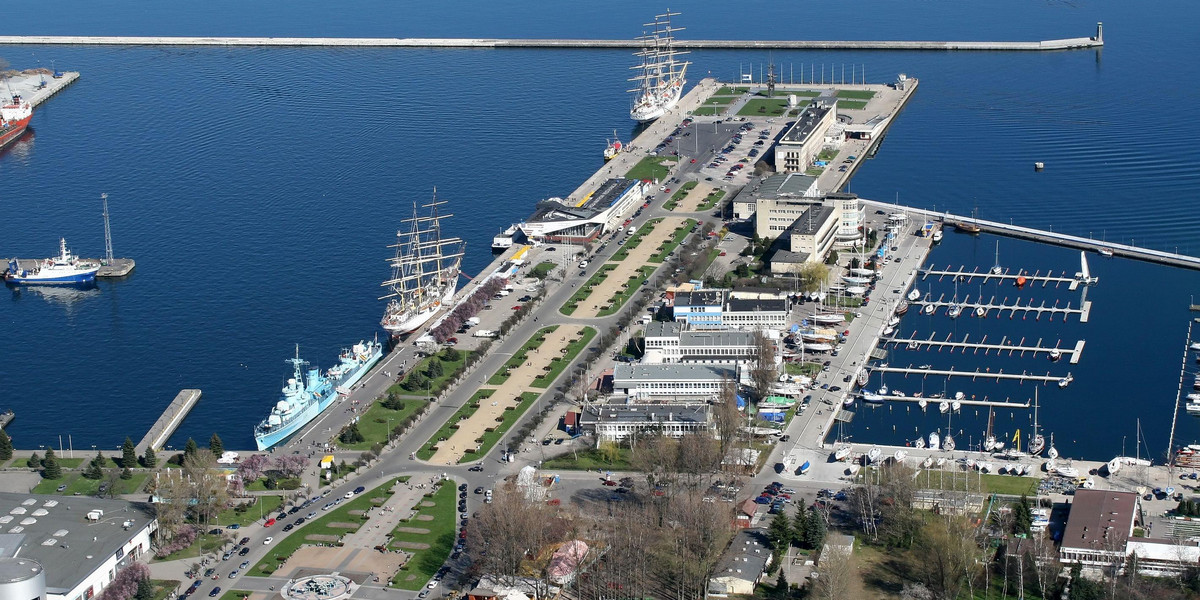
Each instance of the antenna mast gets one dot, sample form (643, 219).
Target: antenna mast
(108, 253)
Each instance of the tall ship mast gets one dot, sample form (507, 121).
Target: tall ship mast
(424, 270)
(661, 80)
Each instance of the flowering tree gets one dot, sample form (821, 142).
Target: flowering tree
(125, 585)
(291, 465)
(253, 466)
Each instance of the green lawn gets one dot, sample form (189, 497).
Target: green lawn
(1008, 484)
(76, 483)
(814, 171)
(521, 356)
(728, 91)
(827, 154)
(760, 107)
(634, 240)
(441, 538)
(652, 167)
(283, 548)
(374, 424)
(710, 202)
(491, 437)
(447, 428)
(992, 484)
(708, 111)
(629, 288)
(851, 104)
(721, 100)
(679, 195)
(588, 460)
(449, 369)
(802, 93)
(264, 507)
(234, 594)
(572, 303)
(809, 369)
(855, 94)
(557, 365)
(204, 541)
(164, 588)
(543, 269)
(680, 232)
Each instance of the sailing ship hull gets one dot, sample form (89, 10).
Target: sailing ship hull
(648, 110)
(413, 321)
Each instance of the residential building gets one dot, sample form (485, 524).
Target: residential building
(79, 542)
(742, 566)
(615, 422)
(802, 142)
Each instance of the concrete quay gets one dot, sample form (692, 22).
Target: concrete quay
(39, 87)
(166, 424)
(119, 267)
(565, 43)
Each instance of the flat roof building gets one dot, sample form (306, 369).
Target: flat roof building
(1099, 536)
(557, 219)
(717, 309)
(779, 188)
(669, 343)
(615, 422)
(802, 142)
(80, 542)
(810, 239)
(666, 382)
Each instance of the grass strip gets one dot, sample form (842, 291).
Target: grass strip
(573, 302)
(283, 547)
(510, 417)
(711, 201)
(557, 365)
(77, 484)
(764, 107)
(262, 507)
(440, 540)
(668, 246)
(451, 425)
(652, 167)
(627, 291)
(851, 104)
(708, 111)
(720, 100)
(855, 94)
(543, 269)
(679, 194)
(375, 424)
(634, 240)
(729, 91)
(522, 355)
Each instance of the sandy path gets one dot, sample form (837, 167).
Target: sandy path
(691, 202)
(637, 258)
(507, 394)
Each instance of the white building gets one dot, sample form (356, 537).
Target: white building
(615, 422)
(80, 542)
(718, 309)
(668, 342)
(558, 219)
(664, 382)
(802, 142)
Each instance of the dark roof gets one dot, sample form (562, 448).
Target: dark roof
(754, 305)
(810, 220)
(700, 298)
(806, 123)
(1099, 519)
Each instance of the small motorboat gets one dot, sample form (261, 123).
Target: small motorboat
(980, 311)
(929, 308)
(1055, 354)
(925, 367)
(928, 462)
(954, 312)
(873, 454)
(1105, 252)
(935, 441)
(959, 396)
(956, 406)
(914, 295)
(948, 443)
(920, 443)
(943, 407)
(900, 455)
(1113, 466)
(923, 403)
(1065, 381)
(842, 452)
(913, 345)
(941, 460)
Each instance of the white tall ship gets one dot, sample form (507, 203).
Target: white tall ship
(424, 271)
(660, 83)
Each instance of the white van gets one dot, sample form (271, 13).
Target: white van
(631, 231)
(583, 265)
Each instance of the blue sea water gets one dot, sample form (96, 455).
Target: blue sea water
(258, 187)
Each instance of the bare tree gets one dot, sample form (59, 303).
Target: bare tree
(509, 530)
(836, 575)
(945, 558)
(726, 417)
(208, 487)
(763, 370)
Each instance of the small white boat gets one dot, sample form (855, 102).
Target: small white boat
(889, 330)
(929, 308)
(928, 462)
(1113, 466)
(1105, 252)
(849, 401)
(956, 406)
(1193, 408)
(913, 345)
(898, 393)
(935, 441)
(923, 403)
(1090, 483)
(914, 295)
(943, 407)
(980, 311)
(1193, 397)
(989, 443)
(852, 470)
(1067, 471)
(894, 321)
(971, 463)
(925, 367)
(900, 455)
(985, 467)
(856, 281)
(842, 452)
(1052, 452)
(1055, 354)
(818, 347)
(937, 236)
(873, 454)
(862, 273)
(959, 396)
(1065, 381)
(920, 443)
(948, 443)
(1006, 468)
(883, 390)
(1194, 346)
(954, 312)
(1050, 466)
(871, 397)
(941, 460)
(856, 290)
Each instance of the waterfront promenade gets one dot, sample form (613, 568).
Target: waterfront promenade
(102, 40)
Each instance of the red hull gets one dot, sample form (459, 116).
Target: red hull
(13, 133)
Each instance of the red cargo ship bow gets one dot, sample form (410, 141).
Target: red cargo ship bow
(14, 118)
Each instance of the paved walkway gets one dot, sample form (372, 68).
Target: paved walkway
(636, 259)
(507, 394)
(697, 195)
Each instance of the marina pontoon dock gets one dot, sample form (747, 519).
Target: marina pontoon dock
(1014, 308)
(1007, 275)
(933, 402)
(1047, 378)
(1004, 346)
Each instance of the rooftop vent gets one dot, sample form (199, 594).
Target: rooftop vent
(60, 533)
(50, 542)
(41, 512)
(50, 503)
(28, 521)
(17, 511)
(29, 502)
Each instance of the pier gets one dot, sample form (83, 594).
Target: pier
(998, 375)
(166, 424)
(7, 417)
(495, 43)
(119, 267)
(968, 276)
(39, 87)
(1051, 237)
(1003, 346)
(969, 308)
(933, 402)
